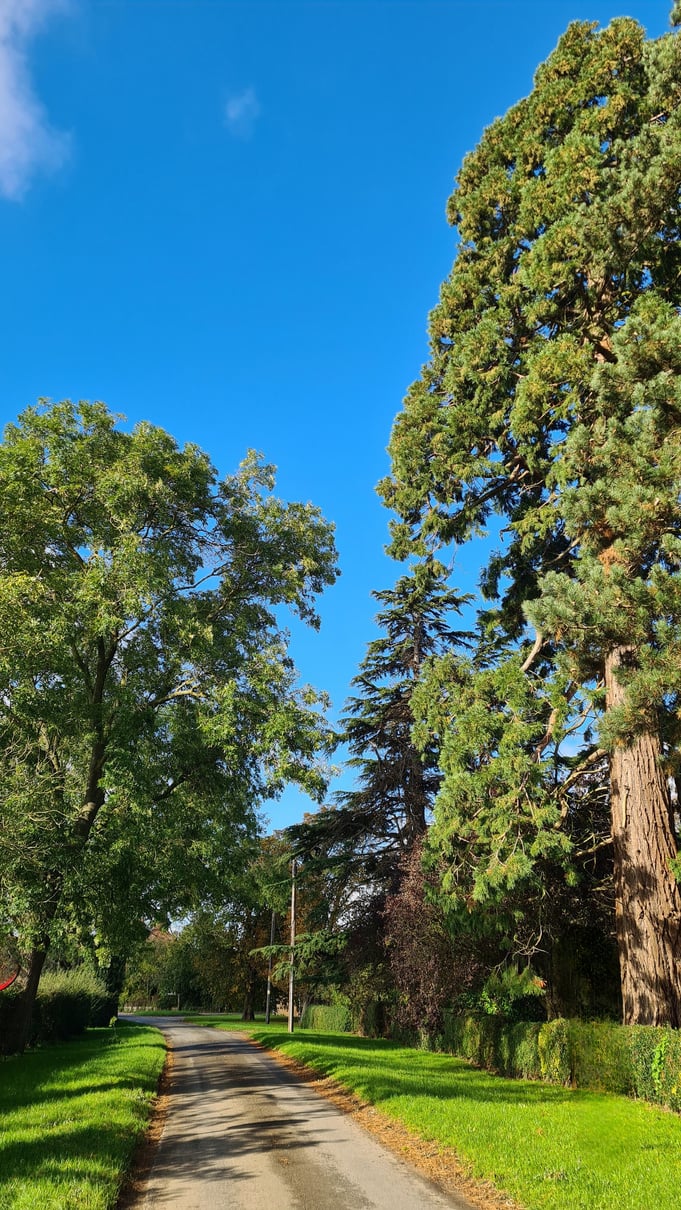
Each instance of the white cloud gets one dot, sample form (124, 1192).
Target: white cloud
(241, 112)
(27, 141)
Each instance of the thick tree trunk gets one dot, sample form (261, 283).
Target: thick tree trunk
(648, 898)
(18, 1032)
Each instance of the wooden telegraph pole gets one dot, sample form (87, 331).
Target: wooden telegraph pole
(293, 943)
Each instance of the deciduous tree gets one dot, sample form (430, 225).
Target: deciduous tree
(147, 698)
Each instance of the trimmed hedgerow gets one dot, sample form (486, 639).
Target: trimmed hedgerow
(67, 1003)
(635, 1060)
(656, 1064)
(326, 1018)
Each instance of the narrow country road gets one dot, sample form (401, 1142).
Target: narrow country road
(243, 1133)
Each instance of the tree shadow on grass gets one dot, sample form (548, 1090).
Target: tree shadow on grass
(39, 1076)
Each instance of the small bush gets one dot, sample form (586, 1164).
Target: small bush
(519, 1050)
(326, 1018)
(601, 1056)
(67, 1003)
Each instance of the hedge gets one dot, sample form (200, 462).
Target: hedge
(67, 1003)
(636, 1060)
(326, 1018)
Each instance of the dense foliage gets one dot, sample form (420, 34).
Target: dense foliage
(363, 845)
(552, 401)
(147, 699)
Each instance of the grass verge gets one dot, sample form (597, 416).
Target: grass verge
(549, 1147)
(71, 1117)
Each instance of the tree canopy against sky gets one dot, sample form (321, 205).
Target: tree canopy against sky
(370, 829)
(156, 298)
(147, 699)
(552, 399)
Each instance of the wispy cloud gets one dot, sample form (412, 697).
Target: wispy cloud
(28, 143)
(241, 113)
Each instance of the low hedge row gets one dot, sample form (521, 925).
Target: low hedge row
(636, 1060)
(326, 1018)
(67, 1003)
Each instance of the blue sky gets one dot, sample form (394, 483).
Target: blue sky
(228, 218)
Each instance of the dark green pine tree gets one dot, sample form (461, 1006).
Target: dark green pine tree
(366, 835)
(553, 399)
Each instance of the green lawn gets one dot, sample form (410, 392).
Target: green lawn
(71, 1115)
(550, 1147)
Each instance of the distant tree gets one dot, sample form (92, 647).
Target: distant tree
(362, 841)
(553, 399)
(147, 699)
(433, 968)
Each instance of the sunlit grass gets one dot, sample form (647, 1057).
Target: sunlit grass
(71, 1115)
(232, 1021)
(550, 1147)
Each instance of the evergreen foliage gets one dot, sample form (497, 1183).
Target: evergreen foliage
(371, 828)
(366, 840)
(552, 399)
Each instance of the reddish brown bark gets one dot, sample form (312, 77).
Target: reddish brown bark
(648, 898)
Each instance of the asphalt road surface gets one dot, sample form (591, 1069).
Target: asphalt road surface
(243, 1133)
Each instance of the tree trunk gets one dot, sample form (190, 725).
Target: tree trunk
(648, 899)
(249, 998)
(18, 1032)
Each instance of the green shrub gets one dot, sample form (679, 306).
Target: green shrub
(656, 1064)
(369, 1019)
(326, 1018)
(67, 1003)
(472, 1040)
(601, 1056)
(519, 1050)
(635, 1060)
(555, 1052)
(453, 1033)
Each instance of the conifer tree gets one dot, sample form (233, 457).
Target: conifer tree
(373, 826)
(553, 399)
(364, 841)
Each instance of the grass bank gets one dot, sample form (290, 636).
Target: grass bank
(71, 1116)
(549, 1147)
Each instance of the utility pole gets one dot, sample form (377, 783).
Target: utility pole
(293, 943)
(269, 972)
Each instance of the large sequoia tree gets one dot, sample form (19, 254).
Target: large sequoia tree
(553, 399)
